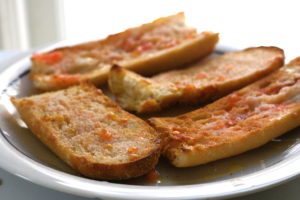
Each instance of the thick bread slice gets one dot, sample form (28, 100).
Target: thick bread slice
(203, 82)
(163, 44)
(241, 121)
(91, 133)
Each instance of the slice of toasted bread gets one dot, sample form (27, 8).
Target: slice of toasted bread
(239, 122)
(154, 47)
(91, 133)
(203, 82)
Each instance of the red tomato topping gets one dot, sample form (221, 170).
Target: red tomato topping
(221, 77)
(201, 75)
(193, 35)
(144, 47)
(177, 129)
(132, 149)
(232, 100)
(189, 87)
(280, 107)
(271, 91)
(105, 135)
(229, 67)
(66, 79)
(124, 120)
(129, 44)
(219, 126)
(171, 44)
(48, 58)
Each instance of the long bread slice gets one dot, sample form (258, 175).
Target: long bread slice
(91, 133)
(239, 122)
(200, 83)
(161, 45)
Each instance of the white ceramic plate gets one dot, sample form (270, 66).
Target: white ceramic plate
(23, 155)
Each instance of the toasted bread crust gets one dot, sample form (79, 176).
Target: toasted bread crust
(199, 83)
(239, 122)
(91, 133)
(144, 49)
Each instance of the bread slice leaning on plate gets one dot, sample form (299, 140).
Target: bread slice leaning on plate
(161, 45)
(91, 133)
(239, 122)
(199, 83)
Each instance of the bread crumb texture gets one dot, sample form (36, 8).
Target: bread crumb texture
(82, 121)
(241, 121)
(199, 83)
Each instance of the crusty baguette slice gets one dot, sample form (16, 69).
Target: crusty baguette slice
(91, 133)
(203, 82)
(241, 121)
(154, 47)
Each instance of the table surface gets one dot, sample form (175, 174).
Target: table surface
(15, 188)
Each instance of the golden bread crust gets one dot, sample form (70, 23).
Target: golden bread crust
(161, 45)
(199, 83)
(239, 122)
(91, 133)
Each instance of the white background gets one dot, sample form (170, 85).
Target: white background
(240, 23)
